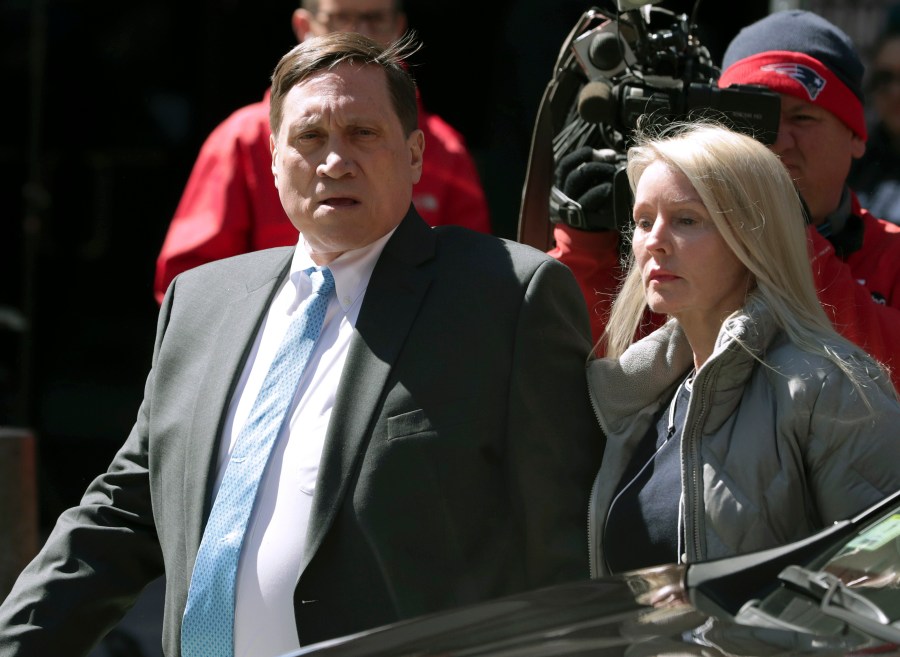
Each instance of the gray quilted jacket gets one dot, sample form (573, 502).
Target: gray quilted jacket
(770, 452)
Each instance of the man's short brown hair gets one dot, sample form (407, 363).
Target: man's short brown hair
(327, 51)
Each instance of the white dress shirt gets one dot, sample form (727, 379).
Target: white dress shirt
(275, 539)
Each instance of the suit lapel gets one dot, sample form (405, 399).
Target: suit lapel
(396, 290)
(240, 321)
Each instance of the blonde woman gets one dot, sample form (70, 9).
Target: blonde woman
(745, 421)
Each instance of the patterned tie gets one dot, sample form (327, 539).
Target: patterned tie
(208, 625)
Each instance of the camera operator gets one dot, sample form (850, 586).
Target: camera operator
(813, 67)
(614, 68)
(855, 256)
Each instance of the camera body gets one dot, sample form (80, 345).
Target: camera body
(616, 69)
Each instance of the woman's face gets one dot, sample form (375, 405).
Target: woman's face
(687, 270)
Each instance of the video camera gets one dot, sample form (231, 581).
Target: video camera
(615, 68)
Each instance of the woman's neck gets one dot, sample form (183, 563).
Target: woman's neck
(701, 334)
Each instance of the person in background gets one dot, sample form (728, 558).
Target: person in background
(875, 177)
(230, 204)
(435, 446)
(855, 256)
(746, 421)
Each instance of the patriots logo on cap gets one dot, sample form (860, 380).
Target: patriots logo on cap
(811, 81)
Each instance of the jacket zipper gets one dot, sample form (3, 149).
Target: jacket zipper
(593, 531)
(691, 467)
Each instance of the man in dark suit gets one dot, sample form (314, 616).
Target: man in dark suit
(437, 450)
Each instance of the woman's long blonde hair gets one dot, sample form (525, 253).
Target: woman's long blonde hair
(754, 205)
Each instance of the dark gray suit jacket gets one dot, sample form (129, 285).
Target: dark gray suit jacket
(457, 465)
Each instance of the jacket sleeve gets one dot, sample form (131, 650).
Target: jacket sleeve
(853, 451)
(465, 198)
(449, 171)
(553, 435)
(855, 315)
(213, 218)
(95, 563)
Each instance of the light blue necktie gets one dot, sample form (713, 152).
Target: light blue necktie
(207, 629)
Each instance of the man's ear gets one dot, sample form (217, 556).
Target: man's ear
(857, 147)
(274, 152)
(304, 24)
(416, 143)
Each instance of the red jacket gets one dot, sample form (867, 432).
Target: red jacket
(230, 204)
(861, 293)
(594, 259)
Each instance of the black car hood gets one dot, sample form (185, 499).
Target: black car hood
(638, 614)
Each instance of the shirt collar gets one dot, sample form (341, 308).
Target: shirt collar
(351, 271)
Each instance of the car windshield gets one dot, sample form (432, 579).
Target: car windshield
(853, 588)
(871, 560)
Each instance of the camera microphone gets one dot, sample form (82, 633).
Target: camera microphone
(605, 51)
(596, 103)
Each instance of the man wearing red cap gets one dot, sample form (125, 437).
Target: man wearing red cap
(856, 257)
